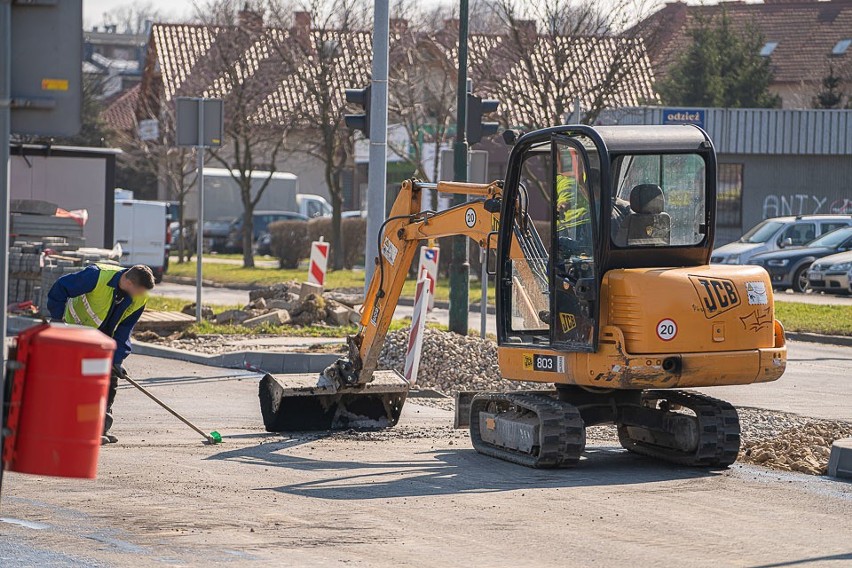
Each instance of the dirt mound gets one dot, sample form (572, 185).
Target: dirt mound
(805, 449)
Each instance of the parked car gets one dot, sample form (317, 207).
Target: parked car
(832, 274)
(312, 205)
(788, 268)
(778, 233)
(261, 220)
(216, 232)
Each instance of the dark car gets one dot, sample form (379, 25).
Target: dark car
(216, 233)
(788, 268)
(262, 219)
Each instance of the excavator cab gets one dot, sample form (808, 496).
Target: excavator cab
(612, 308)
(620, 198)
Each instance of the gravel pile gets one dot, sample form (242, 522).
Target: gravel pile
(451, 363)
(803, 448)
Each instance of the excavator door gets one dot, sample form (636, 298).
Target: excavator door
(576, 188)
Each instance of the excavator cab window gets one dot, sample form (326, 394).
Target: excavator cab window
(659, 200)
(576, 190)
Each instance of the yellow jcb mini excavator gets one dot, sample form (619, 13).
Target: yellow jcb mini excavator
(618, 309)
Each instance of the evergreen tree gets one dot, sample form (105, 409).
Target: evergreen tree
(830, 94)
(721, 67)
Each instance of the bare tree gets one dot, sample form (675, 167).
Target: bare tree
(551, 61)
(325, 46)
(553, 53)
(243, 65)
(132, 18)
(173, 167)
(422, 97)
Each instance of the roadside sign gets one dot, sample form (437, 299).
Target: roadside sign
(46, 70)
(149, 129)
(213, 116)
(683, 116)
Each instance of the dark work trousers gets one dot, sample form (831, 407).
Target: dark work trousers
(113, 387)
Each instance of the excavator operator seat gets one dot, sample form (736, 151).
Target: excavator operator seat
(648, 224)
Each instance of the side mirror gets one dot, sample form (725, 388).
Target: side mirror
(788, 242)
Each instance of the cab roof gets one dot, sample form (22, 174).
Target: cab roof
(653, 139)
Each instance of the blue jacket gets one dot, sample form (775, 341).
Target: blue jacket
(79, 283)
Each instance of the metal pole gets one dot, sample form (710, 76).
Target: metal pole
(459, 265)
(377, 172)
(483, 307)
(5, 96)
(199, 230)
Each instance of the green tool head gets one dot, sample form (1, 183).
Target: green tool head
(215, 437)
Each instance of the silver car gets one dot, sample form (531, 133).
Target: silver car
(832, 274)
(778, 233)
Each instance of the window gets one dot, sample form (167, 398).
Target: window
(829, 226)
(659, 200)
(768, 48)
(841, 46)
(799, 234)
(530, 303)
(729, 196)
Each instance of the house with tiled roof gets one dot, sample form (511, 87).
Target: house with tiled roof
(182, 61)
(804, 40)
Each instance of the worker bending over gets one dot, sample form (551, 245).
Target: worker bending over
(109, 298)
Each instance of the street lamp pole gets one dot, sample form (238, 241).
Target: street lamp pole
(459, 265)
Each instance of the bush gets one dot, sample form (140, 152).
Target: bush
(290, 242)
(354, 240)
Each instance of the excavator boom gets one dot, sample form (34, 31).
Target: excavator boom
(351, 392)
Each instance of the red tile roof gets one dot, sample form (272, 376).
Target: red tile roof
(120, 115)
(184, 57)
(806, 32)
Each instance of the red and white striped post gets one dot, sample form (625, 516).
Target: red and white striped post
(319, 262)
(429, 256)
(418, 323)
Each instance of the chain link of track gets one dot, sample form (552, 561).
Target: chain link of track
(562, 434)
(718, 431)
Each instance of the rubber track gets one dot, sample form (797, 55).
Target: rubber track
(562, 434)
(718, 427)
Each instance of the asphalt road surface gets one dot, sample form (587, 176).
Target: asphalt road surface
(415, 495)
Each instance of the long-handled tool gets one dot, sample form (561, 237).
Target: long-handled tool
(212, 438)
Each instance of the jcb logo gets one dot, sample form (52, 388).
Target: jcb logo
(717, 295)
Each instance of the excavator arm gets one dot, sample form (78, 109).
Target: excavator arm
(351, 392)
(405, 227)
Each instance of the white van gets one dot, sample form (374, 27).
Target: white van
(140, 227)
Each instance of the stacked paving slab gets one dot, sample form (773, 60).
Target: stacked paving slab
(44, 247)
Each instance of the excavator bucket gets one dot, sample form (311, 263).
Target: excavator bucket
(302, 402)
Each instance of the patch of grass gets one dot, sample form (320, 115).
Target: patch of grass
(167, 304)
(815, 318)
(210, 328)
(235, 274)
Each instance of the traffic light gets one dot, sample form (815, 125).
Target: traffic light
(360, 97)
(476, 107)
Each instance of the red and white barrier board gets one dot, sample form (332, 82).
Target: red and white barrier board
(319, 262)
(418, 323)
(429, 261)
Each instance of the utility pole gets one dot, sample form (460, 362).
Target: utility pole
(459, 265)
(377, 172)
(5, 130)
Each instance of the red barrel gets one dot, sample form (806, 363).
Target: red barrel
(65, 372)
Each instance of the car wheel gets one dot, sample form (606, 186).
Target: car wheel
(800, 280)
